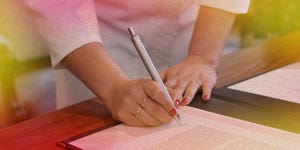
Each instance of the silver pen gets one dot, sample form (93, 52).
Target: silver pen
(151, 68)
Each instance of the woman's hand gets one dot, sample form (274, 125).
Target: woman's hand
(135, 102)
(188, 77)
(140, 103)
(197, 71)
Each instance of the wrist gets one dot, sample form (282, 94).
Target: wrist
(112, 90)
(204, 60)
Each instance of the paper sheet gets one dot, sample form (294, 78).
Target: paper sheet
(282, 83)
(201, 130)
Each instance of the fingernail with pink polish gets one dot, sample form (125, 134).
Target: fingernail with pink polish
(184, 101)
(172, 112)
(205, 97)
(177, 103)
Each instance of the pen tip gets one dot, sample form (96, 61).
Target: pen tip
(178, 119)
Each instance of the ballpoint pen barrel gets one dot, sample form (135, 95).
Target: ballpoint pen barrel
(151, 68)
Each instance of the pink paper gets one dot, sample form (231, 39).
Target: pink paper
(201, 130)
(282, 83)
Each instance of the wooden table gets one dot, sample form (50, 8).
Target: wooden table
(45, 131)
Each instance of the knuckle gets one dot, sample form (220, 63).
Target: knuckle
(156, 111)
(158, 93)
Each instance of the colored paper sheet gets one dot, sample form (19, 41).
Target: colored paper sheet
(282, 83)
(200, 130)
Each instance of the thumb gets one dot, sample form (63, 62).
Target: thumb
(163, 75)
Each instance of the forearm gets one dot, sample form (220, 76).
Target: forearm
(210, 32)
(92, 65)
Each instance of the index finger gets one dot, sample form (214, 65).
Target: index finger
(154, 91)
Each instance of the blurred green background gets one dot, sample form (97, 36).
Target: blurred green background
(270, 18)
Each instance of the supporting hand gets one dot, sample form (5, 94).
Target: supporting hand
(188, 77)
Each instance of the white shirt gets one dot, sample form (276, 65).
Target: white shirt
(165, 27)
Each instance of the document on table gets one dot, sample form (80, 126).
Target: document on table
(200, 130)
(282, 83)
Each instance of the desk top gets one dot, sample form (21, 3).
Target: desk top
(45, 131)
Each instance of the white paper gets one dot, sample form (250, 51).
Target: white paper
(201, 130)
(282, 83)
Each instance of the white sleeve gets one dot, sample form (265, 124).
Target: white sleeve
(234, 6)
(65, 25)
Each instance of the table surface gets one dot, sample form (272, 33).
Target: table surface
(45, 131)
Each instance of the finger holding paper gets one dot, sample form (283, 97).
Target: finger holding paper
(198, 70)
(189, 77)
